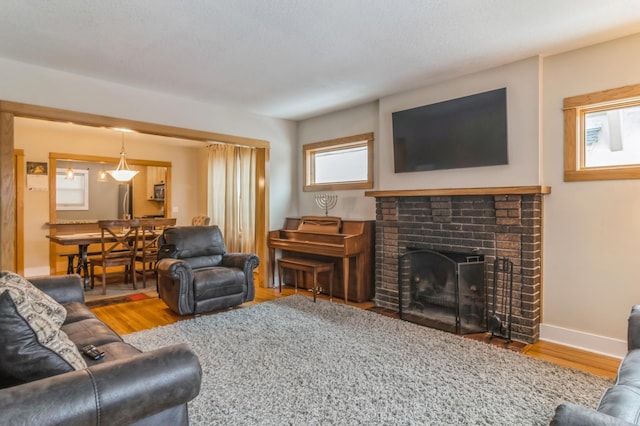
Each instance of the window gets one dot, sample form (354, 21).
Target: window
(602, 135)
(72, 194)
(345, 163)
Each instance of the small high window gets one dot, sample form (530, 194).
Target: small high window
(345, 163)
(602, 135)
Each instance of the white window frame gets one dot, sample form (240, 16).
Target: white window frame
(81, 180)
(334, 145)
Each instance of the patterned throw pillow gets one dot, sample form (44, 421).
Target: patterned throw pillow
(30, 322)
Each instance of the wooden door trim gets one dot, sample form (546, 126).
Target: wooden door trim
(9, 110)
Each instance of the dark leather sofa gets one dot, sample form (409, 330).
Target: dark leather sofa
(620, 404)
(126, 387)
(196, 274)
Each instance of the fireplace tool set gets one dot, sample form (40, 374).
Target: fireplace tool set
(500, 324)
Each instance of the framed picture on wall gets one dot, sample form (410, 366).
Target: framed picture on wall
(37, 179)
(37, 168)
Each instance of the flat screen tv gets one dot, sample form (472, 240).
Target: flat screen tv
(465, 132)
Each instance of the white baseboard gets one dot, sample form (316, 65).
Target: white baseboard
(585, 341)
(36, 272)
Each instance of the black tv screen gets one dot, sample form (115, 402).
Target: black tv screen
(465, 132)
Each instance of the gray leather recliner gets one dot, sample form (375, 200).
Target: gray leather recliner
(196, 274)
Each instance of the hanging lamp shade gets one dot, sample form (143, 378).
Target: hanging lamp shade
(70, 174)
(102, 175)
(122, 173)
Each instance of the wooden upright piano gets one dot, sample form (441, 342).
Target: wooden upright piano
(349, 244)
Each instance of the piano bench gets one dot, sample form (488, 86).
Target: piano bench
(313, 267)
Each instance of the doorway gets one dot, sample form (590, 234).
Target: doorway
(9, 222)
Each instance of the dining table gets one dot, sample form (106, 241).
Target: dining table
(83, 241)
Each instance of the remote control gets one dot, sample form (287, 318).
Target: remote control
(92, 352)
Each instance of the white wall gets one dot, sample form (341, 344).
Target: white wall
(523, 90)
(25, 83)
(521, 80)
(591, 272)
(352, 204)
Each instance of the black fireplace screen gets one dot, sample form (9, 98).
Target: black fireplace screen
(444, 290)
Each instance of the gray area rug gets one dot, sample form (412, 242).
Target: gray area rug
(293, 362)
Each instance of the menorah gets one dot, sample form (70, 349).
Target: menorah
(326, 202)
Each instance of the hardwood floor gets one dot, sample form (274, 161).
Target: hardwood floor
(597, 364)
(140, 315)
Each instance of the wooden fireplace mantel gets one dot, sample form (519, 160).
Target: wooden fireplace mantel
(498, 190)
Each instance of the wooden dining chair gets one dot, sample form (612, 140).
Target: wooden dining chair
(147, 252)
(118, 243)
(200, 220)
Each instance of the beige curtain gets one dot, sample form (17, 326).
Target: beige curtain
(232, 195)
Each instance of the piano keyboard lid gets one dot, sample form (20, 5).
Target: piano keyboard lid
(320, 224)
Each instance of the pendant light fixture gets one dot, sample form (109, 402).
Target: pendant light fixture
(102, 174)
(70, 174)
(122, 173)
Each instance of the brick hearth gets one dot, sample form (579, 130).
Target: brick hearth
(496, 222)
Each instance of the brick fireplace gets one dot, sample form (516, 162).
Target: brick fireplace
(493, 222)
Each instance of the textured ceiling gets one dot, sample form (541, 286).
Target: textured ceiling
(294, 58)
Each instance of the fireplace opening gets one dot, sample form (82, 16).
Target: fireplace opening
(443, 290)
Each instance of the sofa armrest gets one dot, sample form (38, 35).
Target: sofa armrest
(576, 415)
(62, 288)
(247, 262)
(633, 329)
(114, 393)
